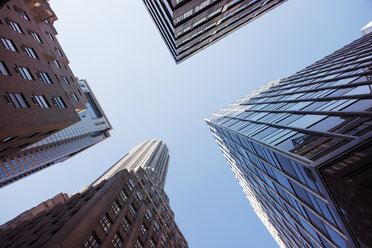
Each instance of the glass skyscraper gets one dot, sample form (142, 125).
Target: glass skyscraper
(301, 148)
(92, 128)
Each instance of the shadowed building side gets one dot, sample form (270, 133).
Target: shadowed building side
(190, 26)
(301, 149)
(39, 93)
(125, 207)
(92, 128)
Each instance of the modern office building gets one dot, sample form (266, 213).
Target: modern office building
(92, 128)
(301, 148)
(189, 26)
(125, 207)
(39, 93)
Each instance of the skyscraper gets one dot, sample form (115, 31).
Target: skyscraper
(301, 148)
(189, 26)
(39, 93)
(125, 207)
(92, 128)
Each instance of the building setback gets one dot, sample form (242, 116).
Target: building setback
(92, 128)
(39, 93)
(189, 26)
(125, 207)
(301, 148)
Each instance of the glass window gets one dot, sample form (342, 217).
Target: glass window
(105, 222)
(126, 223)
(8, 44)
(92, 242)
(3, 70)
(116, 207)
(117, 241)
(16, 27)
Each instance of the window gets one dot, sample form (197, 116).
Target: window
(123, 195)
(117, 241)
(16, 27)
(116, 207)
(24, 72)
(8, 44)
(130, 184)
(41, 101)
(35, 36)
(8, 167)
(18, 100)
(138, 244)
(44, 77)
(59, 102)
(163, 240)
(50, 36)
(138, 197)
(132, 210)
(148, 214)
(22, 13)
(152, 243)
(8, 139)
(156, 227)
(56, 64)
(92, 241)
(65, 80)
(126, 224)
(144, 230)
(73, 95)
(31, 52)
(3, 70)
(105, 222)
(58, 52)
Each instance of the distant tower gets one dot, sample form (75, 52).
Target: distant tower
(301, 148)
(92, 128)
(189, 26)
(150, 155)
(125, 207)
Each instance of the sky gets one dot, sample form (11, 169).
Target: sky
(116, 46)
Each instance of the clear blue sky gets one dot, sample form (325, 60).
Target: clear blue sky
(117, 48)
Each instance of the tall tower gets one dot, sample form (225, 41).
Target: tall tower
(39, 93)
(150, 155)
(125, 207)
(189, 26)
(92, 128)
(301, 148)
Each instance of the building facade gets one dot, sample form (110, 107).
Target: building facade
(39, 93)
(92, 128)
(301, 148)
(189, 26)
(125, 207)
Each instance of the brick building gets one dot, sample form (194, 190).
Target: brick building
(39, 93)
(125, 207)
